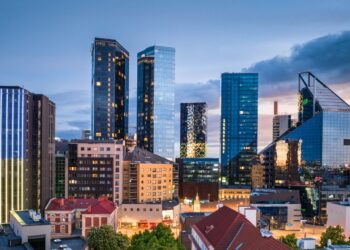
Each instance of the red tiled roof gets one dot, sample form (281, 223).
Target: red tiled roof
(98, 206)
(228, 229)
(102, 207)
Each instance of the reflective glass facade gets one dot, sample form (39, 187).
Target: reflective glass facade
(239, 126)
(324, 139)
(198, 169)
(156, 100)
(110, 90)
(14, 113)
(193, 129)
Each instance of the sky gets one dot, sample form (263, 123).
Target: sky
(45, 46)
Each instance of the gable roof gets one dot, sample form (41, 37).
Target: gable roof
(228, 229)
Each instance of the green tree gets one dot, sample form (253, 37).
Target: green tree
(160, 238)
(106, 238)
(335, 234)
(290, 240)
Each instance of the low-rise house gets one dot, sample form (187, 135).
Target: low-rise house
(228, 229)
(66, 215)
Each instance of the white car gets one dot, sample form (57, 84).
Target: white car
(57, 240)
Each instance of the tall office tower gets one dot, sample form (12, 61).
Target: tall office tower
(147, 177)
(110, 90)
(280, 123)
(193, 130)
(27, 167)
(155, 100)
(239, 126)
(95, 169)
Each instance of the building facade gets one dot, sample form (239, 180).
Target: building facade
(339, 214)
(27, 150)
(280, 125)
(199, 176)
(193, 130)
(95, 169)
(239, 126)
(147, 177)
(110, 90)
(156, 100)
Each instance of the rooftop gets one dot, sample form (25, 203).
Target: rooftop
(29, 218)
(7, 235)
(228, 229)
(97, 206)
(144, 156)
(277, 197)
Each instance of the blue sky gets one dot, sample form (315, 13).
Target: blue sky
(45, 47)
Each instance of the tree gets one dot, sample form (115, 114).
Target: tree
(335, 234)
(161, 237)
(290, 240)
(106, 238)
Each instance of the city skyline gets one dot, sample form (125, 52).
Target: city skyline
(193, 71)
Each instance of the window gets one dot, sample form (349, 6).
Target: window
(346, 142)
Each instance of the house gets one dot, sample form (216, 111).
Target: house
(228, 229)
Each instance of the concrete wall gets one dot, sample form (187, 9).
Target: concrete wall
(339, 215)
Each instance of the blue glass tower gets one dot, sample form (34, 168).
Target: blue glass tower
(324, 124)
(110, 90)
(239, 126)
(156, 100)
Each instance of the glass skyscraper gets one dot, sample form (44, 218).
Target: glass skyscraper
(156, 100)
(239, 126)
(110, 90)
(324, 125)
(193, 130)
(27, 132)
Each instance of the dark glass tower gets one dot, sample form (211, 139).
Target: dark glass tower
(193, 130)
(156, 100)
(110, 90)
(27, 166)
(239, 126)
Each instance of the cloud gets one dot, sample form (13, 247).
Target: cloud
(327, 57)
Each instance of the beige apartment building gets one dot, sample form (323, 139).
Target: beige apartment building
(147, 177)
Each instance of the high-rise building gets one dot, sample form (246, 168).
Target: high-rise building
(95, 169)
(156, 100)
(280, 123)
(110, 90)
(148, 177)
(27, 167)
(193, 130)
(239, 126)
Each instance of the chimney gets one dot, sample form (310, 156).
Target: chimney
(88, 209)
(275, 107)
(71, 198)
(61, 202)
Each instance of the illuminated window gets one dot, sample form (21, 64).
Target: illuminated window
(98, 134)
(98, 83)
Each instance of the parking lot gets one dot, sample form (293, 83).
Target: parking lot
(75, 243)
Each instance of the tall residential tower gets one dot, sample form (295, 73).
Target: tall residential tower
(193, 130)
(156, 100)
(239, 126)
(110, 90)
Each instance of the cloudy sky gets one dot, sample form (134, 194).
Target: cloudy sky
(45, 47)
